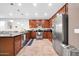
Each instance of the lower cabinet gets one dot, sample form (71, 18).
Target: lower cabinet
(28, 36)
(10, 46)
(6, 46)
(33, 34)
(47, 35)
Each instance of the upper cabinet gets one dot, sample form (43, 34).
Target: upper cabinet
(32, 24)
(43, 23)
(46, 24)
(63, 10)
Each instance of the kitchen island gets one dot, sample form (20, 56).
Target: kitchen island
(10, 44)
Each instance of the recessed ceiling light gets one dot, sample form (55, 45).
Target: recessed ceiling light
(50, 4)
(36, 14)
(34, 4)
(19, 4)
(58, 14)
(45, 14)
(10, 14)
(11, 20)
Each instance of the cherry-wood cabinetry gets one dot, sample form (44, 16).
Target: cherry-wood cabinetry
(33, 34)
(6, 46)
(28, 36)
(10, 46)
(46, 24)
(32, 23)
(18, 44)
(47, 35)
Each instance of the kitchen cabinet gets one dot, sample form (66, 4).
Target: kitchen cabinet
(6, 46)
(50, 23)
(28, 36)
(47, 35)
(46, 24)
(10, 45)
(33, 34)
(32, 24)
(18, 44)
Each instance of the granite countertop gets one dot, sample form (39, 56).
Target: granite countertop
(10, 35)
(42, 29)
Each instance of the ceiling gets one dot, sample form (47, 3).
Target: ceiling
(28, 10)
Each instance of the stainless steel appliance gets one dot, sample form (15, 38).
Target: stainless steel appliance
(39, 34)
(60, 32)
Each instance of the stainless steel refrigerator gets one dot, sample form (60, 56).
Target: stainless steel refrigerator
(60, 32)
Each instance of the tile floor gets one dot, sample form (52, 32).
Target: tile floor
(38, 48)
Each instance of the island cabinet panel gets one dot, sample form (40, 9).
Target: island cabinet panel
(28, 36)
(6, 46)
(32, 23)
(18, 44)
(10, 46)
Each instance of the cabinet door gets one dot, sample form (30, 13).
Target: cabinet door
(32, 23)
(6, 46)
(28, 36)
(18, 44)
(49, 35)
(46, 24)
(50, 22)
(45, 35)
(33, 34)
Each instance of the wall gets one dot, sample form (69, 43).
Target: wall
(16, 25)
(20, 25)
(3, 25)
(73, 11)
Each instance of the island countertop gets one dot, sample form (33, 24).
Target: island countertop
(10, 35)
